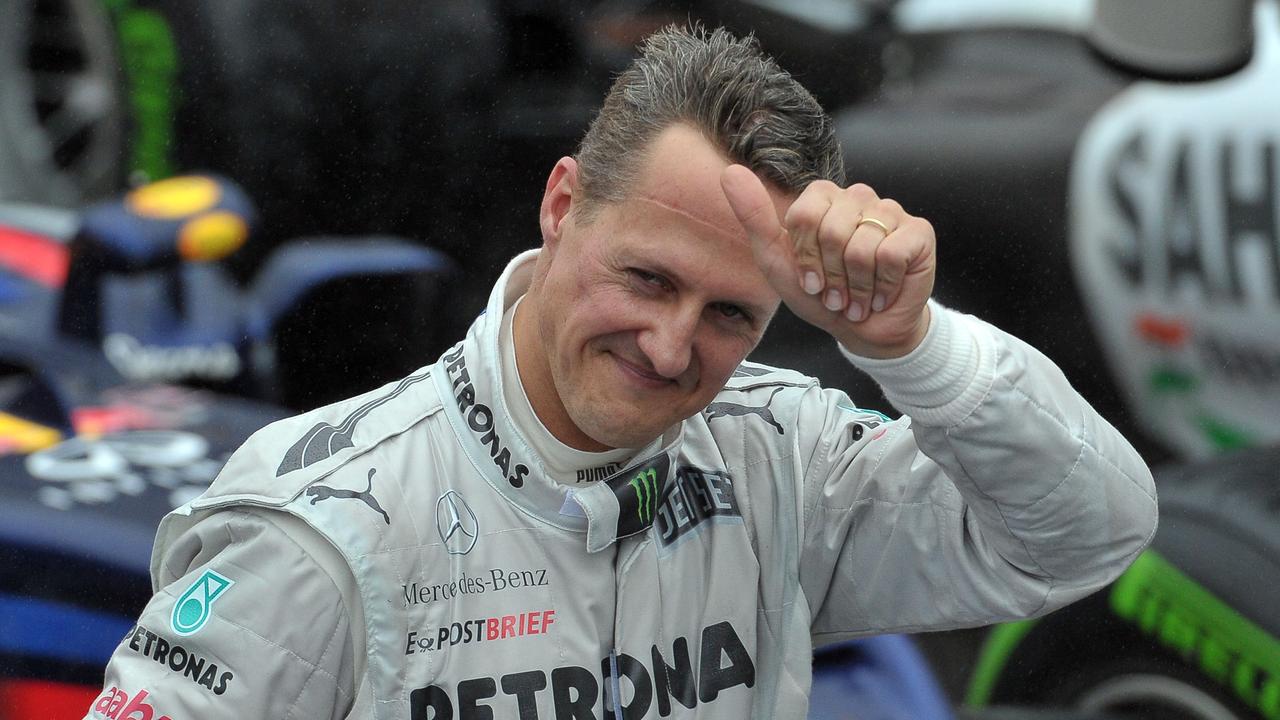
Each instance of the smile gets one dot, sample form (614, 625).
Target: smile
(644, 378)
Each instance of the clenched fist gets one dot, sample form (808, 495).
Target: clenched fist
(844, 259)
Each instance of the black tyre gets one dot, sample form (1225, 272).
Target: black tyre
(63, 113)
(335, 117)
(1190, 632)
(1150, 687)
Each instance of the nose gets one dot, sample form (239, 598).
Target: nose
(668, 340)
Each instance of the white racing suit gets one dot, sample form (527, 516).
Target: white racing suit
(402, 555)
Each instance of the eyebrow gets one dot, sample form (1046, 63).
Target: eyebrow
(757, 312)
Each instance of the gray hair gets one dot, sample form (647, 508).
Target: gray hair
(727, 89)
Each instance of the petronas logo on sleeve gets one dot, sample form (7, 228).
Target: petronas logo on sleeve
(645, 484)
(193, 609)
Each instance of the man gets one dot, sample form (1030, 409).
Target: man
(593, 506)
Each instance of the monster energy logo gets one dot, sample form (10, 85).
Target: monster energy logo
(641, 484)
(192, 610)
(645, 484)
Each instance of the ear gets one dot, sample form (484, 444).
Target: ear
(557, 200)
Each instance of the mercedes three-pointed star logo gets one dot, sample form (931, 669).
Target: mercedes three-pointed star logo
(456, 523)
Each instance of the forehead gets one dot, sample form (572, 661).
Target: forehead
(677, 220)
(681, 172)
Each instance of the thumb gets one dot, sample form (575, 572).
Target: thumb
(754, 209)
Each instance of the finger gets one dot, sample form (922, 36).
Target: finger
(803, 219)
(860, 267)
(834, 235)
(897, 257)
(754, 209)
(879, 220)
(876, 221)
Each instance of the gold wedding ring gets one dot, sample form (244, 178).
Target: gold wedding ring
(872, 221)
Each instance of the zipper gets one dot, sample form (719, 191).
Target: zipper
(615, 686)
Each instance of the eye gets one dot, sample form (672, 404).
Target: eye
(648, 278)
(732, 312)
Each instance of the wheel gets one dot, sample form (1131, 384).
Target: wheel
(335, 117)
(1156, 689)
(1088, 659)
(1190, 632)
(62, 108)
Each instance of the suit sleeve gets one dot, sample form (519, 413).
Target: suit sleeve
(244, 624)
(1001, 494)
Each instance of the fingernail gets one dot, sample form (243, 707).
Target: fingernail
(877, 302)
(812, 283)
(854, 313)
(833, 300)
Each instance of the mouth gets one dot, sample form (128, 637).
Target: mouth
(640, 376)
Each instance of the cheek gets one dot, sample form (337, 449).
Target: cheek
(585, 325)
(603, 310)
(718, 359)
(564, 295)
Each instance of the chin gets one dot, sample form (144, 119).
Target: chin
(624, 437)
(618, 434)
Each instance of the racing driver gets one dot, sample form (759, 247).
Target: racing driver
(594, 507)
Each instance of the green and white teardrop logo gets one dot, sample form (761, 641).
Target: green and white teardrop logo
(192, 610)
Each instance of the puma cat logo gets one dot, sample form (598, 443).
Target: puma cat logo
(726, 409)
(324, 492)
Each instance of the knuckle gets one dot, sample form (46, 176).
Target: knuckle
(846, 214)
(803, 215)
(924, 227)
(861, 283)
(892, 206)
(807, 254)
(888, 276)
(832, 238)
(822, 187)
(891, 254)
(919, 231)
(857, 255)
(862, 192)
(859, 290)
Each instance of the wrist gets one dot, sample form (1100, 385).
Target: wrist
(897, 348)
(943, 379)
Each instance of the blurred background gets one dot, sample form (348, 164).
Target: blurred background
(214, 213)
